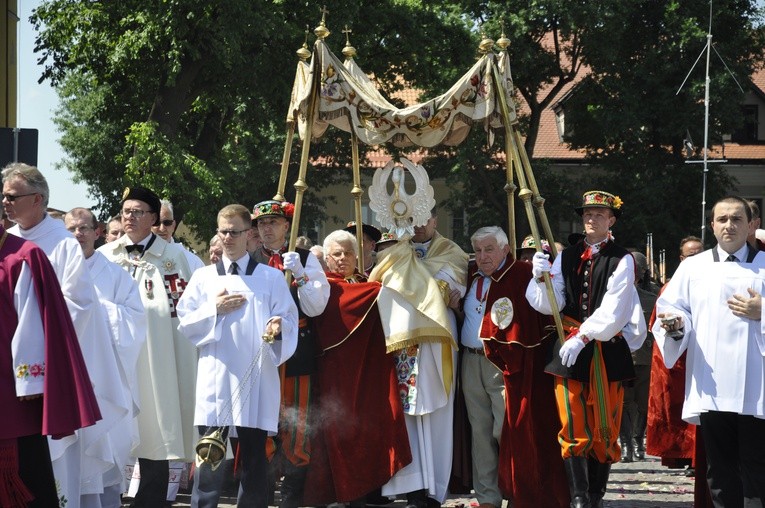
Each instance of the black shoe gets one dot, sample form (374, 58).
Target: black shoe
(578, 481)
(639, 448)
(628, 450)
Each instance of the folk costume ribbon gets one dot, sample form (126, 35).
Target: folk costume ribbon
(598, 396)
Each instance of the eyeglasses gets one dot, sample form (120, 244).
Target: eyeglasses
(232, 232)
(13, 197)
(134, 213)
(167, 222)
(80, 229)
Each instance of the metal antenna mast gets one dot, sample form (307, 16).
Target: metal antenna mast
(706, 161)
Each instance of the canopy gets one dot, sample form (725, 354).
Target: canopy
(350, 101)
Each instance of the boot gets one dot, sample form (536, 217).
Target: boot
(578, 483)
(628, 449)
(292, 487)
(598, 476)
(639, 445)
(417, 499)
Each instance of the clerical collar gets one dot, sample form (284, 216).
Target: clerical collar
(740, 254)
(241, 263)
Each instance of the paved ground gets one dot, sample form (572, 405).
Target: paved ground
(645, 484)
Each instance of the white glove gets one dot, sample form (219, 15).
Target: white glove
(570, 350)
(540, 263)
(291, 261)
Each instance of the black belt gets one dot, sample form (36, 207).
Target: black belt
(474, 350)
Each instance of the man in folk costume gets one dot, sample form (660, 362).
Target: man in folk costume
(79, 460)
(167, 361)
(594, 286)
(44, 385)
(310, 292)
(423, 282)
(126, 319)
(361, 440)
(511, 410)
(713, 308)
(240, 316)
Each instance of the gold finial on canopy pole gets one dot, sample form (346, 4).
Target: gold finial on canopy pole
(304, 54)
(513, 152)
(503, 42)
(321, 31)
(348, 51)
(486, 43)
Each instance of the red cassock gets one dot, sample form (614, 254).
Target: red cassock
(530, 464)
(359, 438)
(68, 402)
(667, 435)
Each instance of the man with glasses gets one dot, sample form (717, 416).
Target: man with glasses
(240, 316)
(310, 291)
(76, 461)
(167, 362)
(166, 228)
(126, 323)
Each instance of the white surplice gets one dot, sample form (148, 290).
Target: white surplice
(80, 460)
(237, 378)
(126, 319)
(725, 366)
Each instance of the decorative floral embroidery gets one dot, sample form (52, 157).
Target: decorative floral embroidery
(405, 362)
(24, 370)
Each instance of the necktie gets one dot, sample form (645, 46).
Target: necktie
(134, 248)
(732, 258)
(233, 269)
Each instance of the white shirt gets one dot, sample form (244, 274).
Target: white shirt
(725, 367)
(619, 310)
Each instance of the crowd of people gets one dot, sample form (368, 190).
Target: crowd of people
(398, 370)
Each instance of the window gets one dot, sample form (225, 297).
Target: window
(747, 133)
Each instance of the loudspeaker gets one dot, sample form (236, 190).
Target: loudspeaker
(25, 139)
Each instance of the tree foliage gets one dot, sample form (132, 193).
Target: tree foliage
(190, 97)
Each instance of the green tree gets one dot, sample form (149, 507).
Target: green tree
(629, 117)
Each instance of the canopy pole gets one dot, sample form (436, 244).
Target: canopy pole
(285, 162)
(357, 192)
(525, 194)
(300, 184)
(537, 199)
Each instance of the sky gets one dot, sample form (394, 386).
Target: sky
(36, 104)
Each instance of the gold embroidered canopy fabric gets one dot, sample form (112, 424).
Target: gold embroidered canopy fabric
(350, 101)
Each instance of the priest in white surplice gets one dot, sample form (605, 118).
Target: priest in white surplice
(89, 453)
(713, 307)
(167, 361)
(126, 319)
(230, 311)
